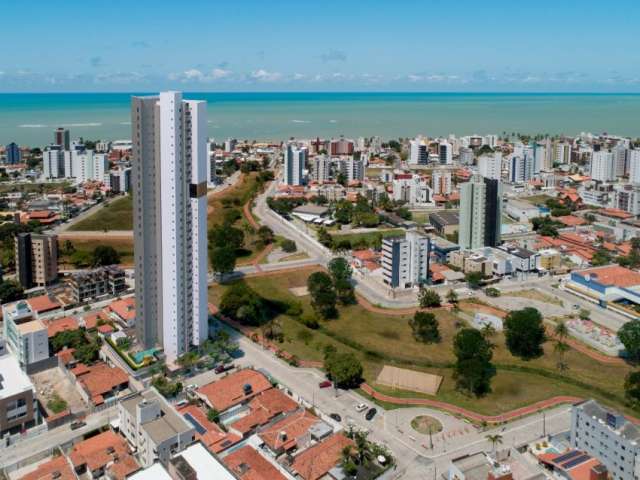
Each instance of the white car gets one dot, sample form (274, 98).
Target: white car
(361, 407)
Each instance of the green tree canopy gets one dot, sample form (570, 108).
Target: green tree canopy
(344, 369)
(105, 255)
(323, 294)
(473, 279)
(473, 369)
(429, 298)
(632, 388)
(629, 335)
(525, 333)
(226, 236)
(425, 327)
(341, 272)
(223, 259)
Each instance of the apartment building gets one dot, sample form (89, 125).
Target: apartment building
(89, 285)
(170, 221)
(405, 261)
(36, 259)
(26, 336)
(295, 159)
(18, 403)
(480, 213)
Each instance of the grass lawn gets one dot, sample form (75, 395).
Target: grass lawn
(379, 339)
(537, 199)
(369, 237)
(294, 256)
(117, 215)
(533, 294)
(123, 246)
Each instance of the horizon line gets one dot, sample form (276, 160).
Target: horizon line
(407, 92)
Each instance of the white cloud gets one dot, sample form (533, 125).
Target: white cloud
(262, 75)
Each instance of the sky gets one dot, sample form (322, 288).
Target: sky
(303, 45)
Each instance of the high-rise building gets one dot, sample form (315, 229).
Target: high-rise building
(12, 154)
(341, 146)
(466, 156)
(405, 261)
(445, 152)
(418, 152)
(634, 166)
(295, 159)
(321, 170)
(620, 153)
(119, 180)
(521, 167)
(441, 181)
(86, 166)
(61, 137)
(490, 166)
(36, 259)
(170, 221)
(411, 189)
(53, 162)
(352, 169)
(480, 213)
(603, 166)
(562, 153)
(626, 197)
(211, 164)
(230, 145)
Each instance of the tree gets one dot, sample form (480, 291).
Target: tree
(425, 327)
(288, 246)
(452, 296)
(561, 348)
(495, 439)
(266, 235)
(584, 314)
(325, 237)
(341, 272)
(629, 335)
(105, 255)
(223, 260)
(213, 415)
(473, 369)
(428, 298)
(10, 291)
(525, 333)
(87, 352)
(632, 388)
(343, 212)
(323, 294)
(226, 236)
(344, 369)
(491, 292)
(243, 304)
(473, 279)
(601, 257)
(68, 248)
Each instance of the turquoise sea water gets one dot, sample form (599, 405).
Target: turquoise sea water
(30, 118)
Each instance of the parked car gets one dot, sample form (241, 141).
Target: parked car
(223, 368)
(360, 407)
(325, 384)
(77, 424)
(371, 413)
(335, 417)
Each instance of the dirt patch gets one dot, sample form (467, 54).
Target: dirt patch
(53, 381)
(425, 424)
(299, 291)
(412, 380)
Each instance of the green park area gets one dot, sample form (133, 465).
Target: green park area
(116, 215)
(379, 338)
(365, 239)
(79, 252)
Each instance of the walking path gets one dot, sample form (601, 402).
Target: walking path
(477, 417)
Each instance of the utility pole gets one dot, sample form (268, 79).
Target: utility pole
(544, 424)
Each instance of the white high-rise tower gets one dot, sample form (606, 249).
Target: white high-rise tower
(170, 221)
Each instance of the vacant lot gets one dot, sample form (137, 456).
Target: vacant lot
(117, 215)
(379, 339)
(123, 245)
(533, 294)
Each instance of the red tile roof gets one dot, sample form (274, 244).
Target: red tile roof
(316, 461)
(263, 408)
(57, 468)
(91, 319)
(96, 452)
(294, 427)
(571, 220)
(124, 308)
(613, 275)
(42, 304)
(615, 212)
(57, 325)
(248, 464)
(229, 391)
(99, 379)
(214, 439)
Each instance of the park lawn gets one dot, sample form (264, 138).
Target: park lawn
(117, 215)
(369, 237)
(384, 339)
(123, 246)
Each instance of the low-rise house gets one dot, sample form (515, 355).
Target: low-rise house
(57, 325)
(123, 311)
(58, 468)
(104, 454)
(260, 410)
(294, 432)
(247, 464)
(100, 383)
(233, 390)
(154, 429)
(196, 462)
(316, 462)
(43, 304)
(18, 404)
(446, 222)
(208, 433)
(505, 464)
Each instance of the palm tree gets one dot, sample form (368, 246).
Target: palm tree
(561, 330)
(561, 348)
(495, 439)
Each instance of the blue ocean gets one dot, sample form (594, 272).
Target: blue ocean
(29, 118)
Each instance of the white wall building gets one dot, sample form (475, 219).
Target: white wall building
(411, 189)
(170, 221)
(634, 166)
(418, 152)
(88, 166)
(26, 336)
(321, 168)
(405, 261)
(295, 159)
(53, 162)
(490, 166)
(603, 166)
(562, 153)
(352, 169)
(445, 152)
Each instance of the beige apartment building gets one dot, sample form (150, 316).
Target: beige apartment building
(36, 259)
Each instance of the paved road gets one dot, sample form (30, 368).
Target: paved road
(22, 450)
